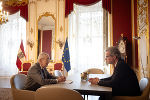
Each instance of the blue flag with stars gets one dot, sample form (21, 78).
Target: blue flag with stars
(66, 57)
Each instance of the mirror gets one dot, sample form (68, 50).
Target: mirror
(46, 34)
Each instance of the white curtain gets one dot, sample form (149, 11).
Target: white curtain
(86, 37)
(10, 39)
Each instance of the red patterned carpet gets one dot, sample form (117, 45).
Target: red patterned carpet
(5, 94)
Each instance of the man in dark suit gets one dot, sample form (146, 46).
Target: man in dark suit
(123, 80)
(38, 75)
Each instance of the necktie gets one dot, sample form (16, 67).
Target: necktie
(42, 73)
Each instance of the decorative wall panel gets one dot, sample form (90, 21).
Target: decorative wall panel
(143, 30)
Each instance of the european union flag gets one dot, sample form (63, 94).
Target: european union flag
(66, 57)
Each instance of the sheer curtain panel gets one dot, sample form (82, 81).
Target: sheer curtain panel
(86, 37)
(10, 39)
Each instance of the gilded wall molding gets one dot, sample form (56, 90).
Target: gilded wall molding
(61, 0)
(32, 1)
(143, 31)
(47, 14)
(142, 17)
(44, 0)
(61, 29)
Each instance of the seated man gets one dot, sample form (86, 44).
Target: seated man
(38, 75)
(123, 80)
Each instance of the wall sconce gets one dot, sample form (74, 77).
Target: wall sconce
(30, 43)
(61, 43)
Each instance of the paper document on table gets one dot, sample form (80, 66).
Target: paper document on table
(67, 82)
(101, 76)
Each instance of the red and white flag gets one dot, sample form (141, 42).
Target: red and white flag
(20, 56)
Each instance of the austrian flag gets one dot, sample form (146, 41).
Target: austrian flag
(20, 56)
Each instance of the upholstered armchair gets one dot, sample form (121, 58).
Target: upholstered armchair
(25, 68)
(58, 69)
(17, 84)
(145, 89)
(58, 66)
(94, 71)
(57, 93)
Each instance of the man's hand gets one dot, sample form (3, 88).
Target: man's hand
(61, 79)
(94, 80)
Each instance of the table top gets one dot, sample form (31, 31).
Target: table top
(84, 87)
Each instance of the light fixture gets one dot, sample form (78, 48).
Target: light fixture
(3, 15)
(15, 2)
(61, 43)
(30, 43)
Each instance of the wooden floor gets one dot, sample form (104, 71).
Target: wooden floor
(5, 91)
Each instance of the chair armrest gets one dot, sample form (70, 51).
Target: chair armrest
(23, 94)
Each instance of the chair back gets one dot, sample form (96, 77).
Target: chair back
(17, 83)
(58, 73)
(58, 66)
(145, 89)
(143, 83)
(57, 93)
(95, 71)
(26, 66)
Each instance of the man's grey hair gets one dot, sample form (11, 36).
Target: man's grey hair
(114, 51)
(42, 55)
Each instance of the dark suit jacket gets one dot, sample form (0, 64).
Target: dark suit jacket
(35, 78)
(123, 81)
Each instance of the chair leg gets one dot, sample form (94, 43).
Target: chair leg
(84, 97)
(87, 97)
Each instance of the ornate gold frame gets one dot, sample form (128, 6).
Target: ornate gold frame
(46, 14)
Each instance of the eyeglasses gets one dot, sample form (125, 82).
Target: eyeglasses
(47, 59)
(108, 56)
